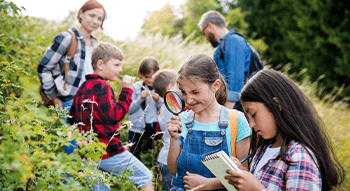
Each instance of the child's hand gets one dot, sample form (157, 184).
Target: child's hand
(193, 181)
(243, 180)
(128, 81)
(238, 163)
(144, 94)
(174, 126)
(155, 96)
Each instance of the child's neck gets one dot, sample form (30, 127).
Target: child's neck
(209, 115)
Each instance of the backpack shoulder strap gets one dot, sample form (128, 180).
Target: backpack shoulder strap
(234, 128)
(222, 45)
(70, 55)
(72, 46)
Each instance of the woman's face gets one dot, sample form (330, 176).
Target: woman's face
(92, 19)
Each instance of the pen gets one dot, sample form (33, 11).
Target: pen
(247, 157)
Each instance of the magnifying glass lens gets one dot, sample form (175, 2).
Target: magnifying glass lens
(174, 102)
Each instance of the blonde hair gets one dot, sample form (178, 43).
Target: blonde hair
(105, 52)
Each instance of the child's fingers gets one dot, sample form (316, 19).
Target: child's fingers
(128, 79)
(233, 173)
(235, 160)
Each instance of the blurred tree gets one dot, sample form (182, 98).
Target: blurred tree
(169, 22)
(309, 34)
(164, 21)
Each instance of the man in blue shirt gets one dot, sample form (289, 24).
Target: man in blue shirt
(236, 60)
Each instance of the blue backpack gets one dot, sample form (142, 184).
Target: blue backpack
(255, 62)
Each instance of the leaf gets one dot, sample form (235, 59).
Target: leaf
(48, 138)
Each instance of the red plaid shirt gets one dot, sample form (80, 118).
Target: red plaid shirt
(96, 96)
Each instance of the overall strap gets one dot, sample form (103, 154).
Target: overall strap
(223, 123)
(190, 118)
(234, 127)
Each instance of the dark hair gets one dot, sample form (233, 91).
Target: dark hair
(148, 64)
(92, 4)
(296, 120)
(201, 66)
(162, 78)
(105, 52)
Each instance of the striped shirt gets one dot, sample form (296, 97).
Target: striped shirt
(50, 66)
(302, 174)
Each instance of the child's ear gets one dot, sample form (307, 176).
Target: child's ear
(216, 85)
(170, 87)
(99, 64)
(276, 100)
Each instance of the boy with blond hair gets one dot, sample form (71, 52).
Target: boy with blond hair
(107, 112)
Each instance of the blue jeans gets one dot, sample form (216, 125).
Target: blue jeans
(115, 165)
(167, 177)
(73, 143)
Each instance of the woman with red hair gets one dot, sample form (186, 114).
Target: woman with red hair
(60, 87)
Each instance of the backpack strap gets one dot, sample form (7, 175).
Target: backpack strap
(70, 55)
(222, 45)
(234, 128)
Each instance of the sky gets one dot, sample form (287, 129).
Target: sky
(124, 17)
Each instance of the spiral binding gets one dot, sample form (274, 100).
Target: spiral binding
(210, 157)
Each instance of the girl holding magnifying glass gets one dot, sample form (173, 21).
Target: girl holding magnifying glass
(205, 91)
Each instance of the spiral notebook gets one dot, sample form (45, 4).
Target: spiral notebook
(218, 163)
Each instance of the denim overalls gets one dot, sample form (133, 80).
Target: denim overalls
(198, 144)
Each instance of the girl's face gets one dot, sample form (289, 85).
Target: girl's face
(197, 94)
(148, 78)
(261, 119)
(92, 19)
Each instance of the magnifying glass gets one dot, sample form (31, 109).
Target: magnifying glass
(174, 102)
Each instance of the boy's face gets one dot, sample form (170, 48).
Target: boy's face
(148, 78)
(112, 69)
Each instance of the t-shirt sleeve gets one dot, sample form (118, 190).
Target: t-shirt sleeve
(244, 130)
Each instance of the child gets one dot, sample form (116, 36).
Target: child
(95, 96)
(204, 128)
(144, 109)
(164, 80)
(291, 150)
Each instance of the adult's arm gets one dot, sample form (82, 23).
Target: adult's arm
(50, 60)
(234, 65)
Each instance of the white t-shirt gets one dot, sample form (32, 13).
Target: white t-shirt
(269, 153)
(88, 65)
